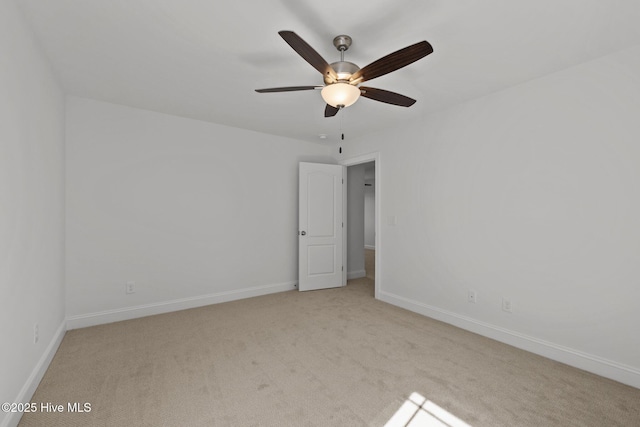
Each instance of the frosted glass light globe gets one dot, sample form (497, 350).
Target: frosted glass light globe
(340, 94)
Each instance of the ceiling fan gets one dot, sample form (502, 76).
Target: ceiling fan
(342, 78)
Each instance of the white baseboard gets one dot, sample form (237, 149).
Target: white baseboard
(13, 418)
(356, 274)
(119, 314)
(373, 248)
(594, 364)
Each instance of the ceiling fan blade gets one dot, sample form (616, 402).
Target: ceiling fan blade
(392, 62)
(308, 54)
(287, 89)
(386, 96)
(330, 111)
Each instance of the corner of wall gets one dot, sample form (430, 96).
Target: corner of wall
(28, 389)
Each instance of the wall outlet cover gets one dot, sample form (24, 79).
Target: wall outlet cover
(472, 297)
(130, 287)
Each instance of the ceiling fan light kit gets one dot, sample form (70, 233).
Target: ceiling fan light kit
(342, 78)
(340, 94)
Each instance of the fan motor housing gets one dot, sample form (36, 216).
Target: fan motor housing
(344, 69)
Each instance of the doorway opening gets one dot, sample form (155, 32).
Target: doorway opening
(362, 237)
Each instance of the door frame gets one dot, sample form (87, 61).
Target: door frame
(366, 158)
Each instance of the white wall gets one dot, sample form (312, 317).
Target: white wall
(355, 222)
(531, 193)
(31, 211)
(193, 212)
(370, 208)
(370, 217)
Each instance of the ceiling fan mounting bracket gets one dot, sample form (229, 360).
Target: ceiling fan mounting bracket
(342, 42)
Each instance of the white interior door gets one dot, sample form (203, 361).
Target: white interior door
(320, 226)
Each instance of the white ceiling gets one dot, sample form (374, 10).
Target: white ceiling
(204, 58)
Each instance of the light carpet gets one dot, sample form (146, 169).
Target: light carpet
(325, 358)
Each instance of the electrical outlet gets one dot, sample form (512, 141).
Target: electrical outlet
(471, 296)
(36, 333)
(130, 287)
(506, 305)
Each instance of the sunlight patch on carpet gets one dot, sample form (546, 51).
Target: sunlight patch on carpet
(417, 411)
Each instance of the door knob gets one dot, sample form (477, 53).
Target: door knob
(304, 233)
